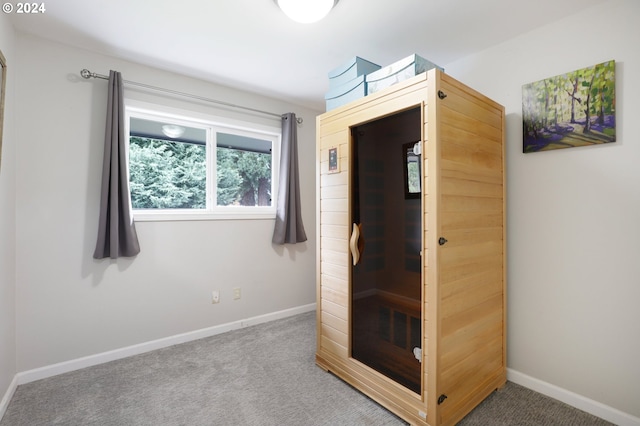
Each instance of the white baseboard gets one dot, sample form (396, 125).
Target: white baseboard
(7, 396)
(88, 361)
(580, 402)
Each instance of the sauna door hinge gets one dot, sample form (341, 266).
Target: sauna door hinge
(441, 398)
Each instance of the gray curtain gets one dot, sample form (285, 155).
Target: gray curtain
(116, 231)
(289, 228)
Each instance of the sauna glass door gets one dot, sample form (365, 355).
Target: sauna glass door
(386, 314)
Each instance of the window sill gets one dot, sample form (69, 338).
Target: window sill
(177, 215)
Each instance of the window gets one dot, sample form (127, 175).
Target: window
(192, 168)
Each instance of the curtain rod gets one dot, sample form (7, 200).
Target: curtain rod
(86, 74)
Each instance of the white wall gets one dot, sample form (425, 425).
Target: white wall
(573, 214)
(70, 305)
(573, 230)
(7, 221)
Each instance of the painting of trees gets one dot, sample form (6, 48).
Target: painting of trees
(573, 109)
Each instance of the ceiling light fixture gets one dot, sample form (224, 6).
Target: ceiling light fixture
(306, 11)
(173, 131)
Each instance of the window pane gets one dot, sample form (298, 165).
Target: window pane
(244, 170)
(166, 174)
(183, 169)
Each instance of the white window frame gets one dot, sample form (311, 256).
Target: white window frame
(211, 124)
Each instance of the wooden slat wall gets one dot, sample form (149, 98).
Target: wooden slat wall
(470, 265)
(333, 327)
(428, 382)
(334, 228)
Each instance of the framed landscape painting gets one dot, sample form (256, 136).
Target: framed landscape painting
(568, 110)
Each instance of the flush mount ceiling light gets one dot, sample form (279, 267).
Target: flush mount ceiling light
(172, 130)
(306, 11)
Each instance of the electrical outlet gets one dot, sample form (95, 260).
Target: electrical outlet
(236, 293)
(215, 296)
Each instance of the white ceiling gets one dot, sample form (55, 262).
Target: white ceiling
(250, 44)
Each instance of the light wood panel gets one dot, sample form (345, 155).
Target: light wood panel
(334, 205)
(463, 295)
(332, 179)
(338, 311)
(338, 191)
(470, 206)
(333, 218)
(334, 283)
(336, 336)
(338, 297)
(335, 231)
(336, 271)
(333, 257)
(335, 322)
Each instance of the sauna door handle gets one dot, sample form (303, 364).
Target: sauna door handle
(353, 244)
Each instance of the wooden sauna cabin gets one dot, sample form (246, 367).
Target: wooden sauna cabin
(411, 248)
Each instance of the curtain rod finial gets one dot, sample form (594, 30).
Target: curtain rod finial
(299, 120)
(85, 73)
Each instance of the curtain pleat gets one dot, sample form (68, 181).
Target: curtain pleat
(288, 227)
(117, 235)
